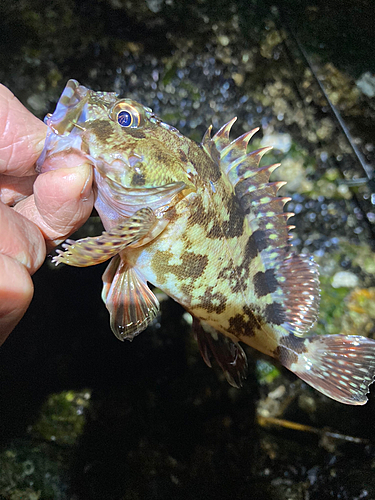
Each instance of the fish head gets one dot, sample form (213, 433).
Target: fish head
(131, 149)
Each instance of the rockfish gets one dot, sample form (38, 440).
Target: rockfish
(203, 223)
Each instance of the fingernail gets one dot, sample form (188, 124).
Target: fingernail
(87, 187)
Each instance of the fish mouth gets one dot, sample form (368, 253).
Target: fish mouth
(55, 147)
(70, 109)
(65, 125)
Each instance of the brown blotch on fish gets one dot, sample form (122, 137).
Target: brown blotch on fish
(137, 134)
(160, 266)
(285, 356)
(213, 302)
(265, 282)
(102, 129)
(207, 169)
(236, 277)
(289, 348)
(235, 225)
(255, 244)
(297, 344)
(274, 313)
(244, 324)
(161, 157)
(199, 214)
(192, 267)
(227, 271)
(188, 290)
(182, 156)
(138, 179)
(215, 231)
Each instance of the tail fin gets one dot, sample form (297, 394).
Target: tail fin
(341, 367)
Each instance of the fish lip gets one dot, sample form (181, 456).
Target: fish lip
(69, 113)
(69, 109)
(59, 145)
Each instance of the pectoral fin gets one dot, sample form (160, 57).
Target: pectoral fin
(130, 302)
(137, 230)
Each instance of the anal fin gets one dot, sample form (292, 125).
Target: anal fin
(229, 355)
(130, 302)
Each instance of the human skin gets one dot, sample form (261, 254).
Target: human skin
(37, 212)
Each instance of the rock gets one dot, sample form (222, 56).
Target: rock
(345, 279)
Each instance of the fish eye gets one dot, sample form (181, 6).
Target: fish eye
(124, 118)
(125, 115)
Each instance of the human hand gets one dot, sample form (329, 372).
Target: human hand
(36, 212)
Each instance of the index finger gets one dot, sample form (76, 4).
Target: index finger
(22, 136)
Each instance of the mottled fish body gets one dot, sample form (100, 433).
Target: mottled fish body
(205, 225)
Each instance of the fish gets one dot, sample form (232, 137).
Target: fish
(203, 223)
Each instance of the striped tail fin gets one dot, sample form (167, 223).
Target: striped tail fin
(341, 367)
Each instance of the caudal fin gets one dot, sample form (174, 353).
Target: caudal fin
(341, 367)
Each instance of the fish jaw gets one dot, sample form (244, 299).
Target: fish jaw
(68, 132)
(71, 109)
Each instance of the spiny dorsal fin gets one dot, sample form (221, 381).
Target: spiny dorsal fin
(207, 136)
(257, 196)
(221, 138)
(298, 286)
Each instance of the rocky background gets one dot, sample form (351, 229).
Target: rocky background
(83, 416)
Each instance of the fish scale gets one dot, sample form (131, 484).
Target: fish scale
(203, 223)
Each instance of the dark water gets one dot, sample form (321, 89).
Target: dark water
(84, 416)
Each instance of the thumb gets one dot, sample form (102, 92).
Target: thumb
(61, 203)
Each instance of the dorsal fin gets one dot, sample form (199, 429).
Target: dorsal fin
(257, 196)
(297, 276)
(221, 138)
